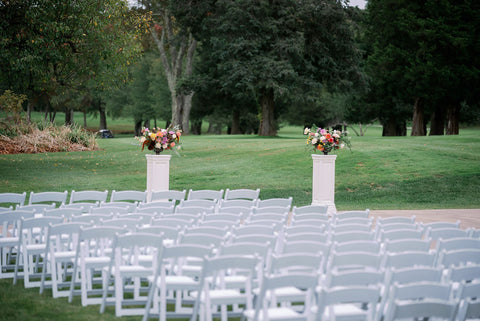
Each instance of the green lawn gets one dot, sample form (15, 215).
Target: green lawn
(379, 172)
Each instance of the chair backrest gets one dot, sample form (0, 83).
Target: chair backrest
(13, 198)
(437, 309)
(244, 212)
(354, 220)
(222, 216)
(131, 224)
(246, 194)
(274, 217)
(310, 209)
(367, 296)
(88, 196)
(159, 210)
(204, 203)
(262, 250)
(58, 197)
(446, 233)
(67, 213)
(265, 303)
(342, 228)
(182, 216)
(195, 209)
(205, 194)
(400, 235)
(357, 246)
(412, 275)
(306, 247)
(284, 210)
(311, 222)
(440, 225)
(395, 220)
(397, 226)
(352, 236)
(129, 206)
(296, 262)
(310, 216)
(10, 223)
(281, 202)
(93, 218)
(130, 195)
(460, 243)
(253, 229)
(171, 195)
(458, 257)
(297, 229)
(336, 278)
(110, 210)
(350, 214)
(38, 208)
(354, 260)
(211, 230)
(236, 202)
(172, 222)
(466, 273)
(409, 259)
(207, 240)
(169, 233)
(405, 245)
(307, 236)
(142, 218)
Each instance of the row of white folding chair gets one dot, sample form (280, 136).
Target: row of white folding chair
(10, 225)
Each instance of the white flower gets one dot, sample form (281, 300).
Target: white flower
(317, 134)
(306, 131)
(314, 141)
(322, 138)
(174, 136)
(158, 145)
(342, 145)
(165, 146)
(142, 139)
(336, 135)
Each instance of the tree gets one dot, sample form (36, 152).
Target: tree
(425, 56)
(273, 51)
(51, 47)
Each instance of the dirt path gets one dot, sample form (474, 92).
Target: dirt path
(467, 217)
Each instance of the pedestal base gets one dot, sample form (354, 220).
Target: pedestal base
(158, 174)
(323, 181)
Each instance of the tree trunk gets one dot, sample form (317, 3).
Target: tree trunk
(138, 128)
(103, 116)
(437, 122)
(418, 126)
(196, 127)
(68, 116)
(391, 127)
(267, 123)
(453, 119)
(235, 130)
(172, 57)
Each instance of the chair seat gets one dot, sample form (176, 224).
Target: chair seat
(177, 281)
(67, 255)
(276, 314)
(99, 261)
(5, 241)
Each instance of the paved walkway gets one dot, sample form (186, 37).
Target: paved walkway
(467, 217)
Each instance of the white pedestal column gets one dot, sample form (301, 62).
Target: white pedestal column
(158, 173)
(323, 192)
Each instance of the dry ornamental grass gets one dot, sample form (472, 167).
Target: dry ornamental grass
(50, 139)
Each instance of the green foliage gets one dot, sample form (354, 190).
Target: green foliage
(11, 107)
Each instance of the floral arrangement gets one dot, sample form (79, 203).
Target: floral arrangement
(321, 139)
(159, 139)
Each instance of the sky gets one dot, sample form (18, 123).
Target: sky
(358, 3)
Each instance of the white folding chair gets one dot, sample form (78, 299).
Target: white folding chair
(266, 307)
(66, 213)
(13, 199)
(32, 244)
(130, 195)
(88, 196)
(170, 283)
(135, 258)
(401, 234)
(95, 219)
(351, 214)
(438, 309)
(354, 261)
(195, 209)
(409, 259)
(306, 236)
(157, 210)
(468, 309)
(418, 291)
(243, 193)
(347, 228)
(458, 257)
(9, 240)
(440, 225)
(406, 245)
(60, 198)
(92, 255)
(275, 202)
(284, 210)
(217, 294)
(205, 194)
(352, 236)
(310, 209)
(347, 303)
(38, 208)
(236, 203)
(110, 210)
(170, 195)
(395, 220)
(170, 234)
(299, 218)
(131, 224)
(358, 246)
(446, 233)
(59, 257)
